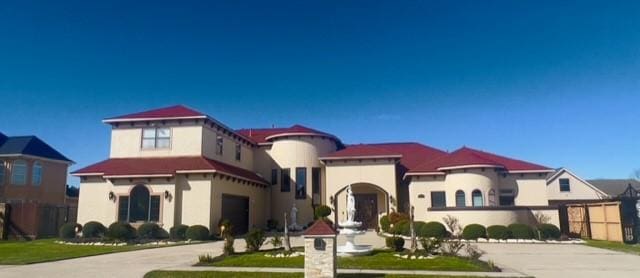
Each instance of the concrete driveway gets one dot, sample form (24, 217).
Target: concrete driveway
(562, 260)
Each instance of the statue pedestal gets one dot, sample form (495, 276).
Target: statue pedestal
(350, 248)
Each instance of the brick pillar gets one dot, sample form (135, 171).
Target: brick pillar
(320, 251)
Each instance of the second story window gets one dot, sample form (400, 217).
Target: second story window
(19, 172)
(1, 172)
(219, 142)
(285, 180)
(564, 185)
(36, 174)
(301, 183)
(274, 176)
(238, 152)
(156, 138)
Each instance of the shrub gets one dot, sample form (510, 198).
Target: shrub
(272, 224)
(396, 217)
(149, 231)
(69, 230)
(430, 245)
(548, 231)
(498, 232)
(521, 231)
(385, 224)
(254, 239)
(417, 226)
(121, 231)
(276, 241)
(322, 211)
(432, 229)
(226, 228)
(93, 229)
(178, 232)
(473, 252)
(206, 258)
(396, 243)
(401, 228)
(228, 245)
(197, 232)
(474, 231)
(451, 247)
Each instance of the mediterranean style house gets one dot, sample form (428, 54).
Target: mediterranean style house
(175, 165)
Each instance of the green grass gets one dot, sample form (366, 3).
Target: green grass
(45, 250)
(207, 274)
(380, 259)
(615, 246)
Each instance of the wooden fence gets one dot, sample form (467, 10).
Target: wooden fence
(32, 220)
(601, 221)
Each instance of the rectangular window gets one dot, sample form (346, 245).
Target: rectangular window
(315, 185)
(438, 199)
(285, 180)
(564, 185)
(219, 142)
(301, 183)
(274, 176)
(238, 151)
(156, 138)
(507, 197)
(19, 172)
(36, 178)
(154, 211)
(123, 208)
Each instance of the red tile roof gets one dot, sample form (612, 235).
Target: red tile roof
(466, 157)
(264, 135)
(177, 111)
(412, 154)
(165, 166)
(320, 228)
(362, 150)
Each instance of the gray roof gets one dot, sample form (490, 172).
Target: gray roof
(615, 187)
(28, 145)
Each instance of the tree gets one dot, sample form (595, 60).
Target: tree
(414, 242)
(286, 243)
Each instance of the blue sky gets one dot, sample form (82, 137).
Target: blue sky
(548, 82)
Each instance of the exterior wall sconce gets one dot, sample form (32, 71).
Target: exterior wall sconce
(331, 199)
(112, 196)
(167, 195)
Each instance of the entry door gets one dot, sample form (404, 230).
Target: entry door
(367, 210)
(236, 210)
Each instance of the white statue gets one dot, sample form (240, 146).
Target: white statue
(351, 205)
(294, 219)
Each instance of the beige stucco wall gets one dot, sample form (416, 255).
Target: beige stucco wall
(228, 149)
(194, 199)
(381, 173)
(293, 152)
(531, 189)
(186, 140)
(492, 217)
(578, 189)
(94, 204)
(258, 209)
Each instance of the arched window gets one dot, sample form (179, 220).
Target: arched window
(36, 175)
(476, 196)
(139, 206)
(492, 198)
(460, 200)
(19, 172)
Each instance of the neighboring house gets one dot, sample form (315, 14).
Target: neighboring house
(32, 174)
(618, 188)
(175, 165)
(564, 187)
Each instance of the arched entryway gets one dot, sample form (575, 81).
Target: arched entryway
(371, 203)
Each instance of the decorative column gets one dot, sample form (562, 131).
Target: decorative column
(320, 251)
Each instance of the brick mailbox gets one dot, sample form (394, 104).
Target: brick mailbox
(320, 251)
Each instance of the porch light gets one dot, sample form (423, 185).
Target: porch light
(167, 194)
(112, 196)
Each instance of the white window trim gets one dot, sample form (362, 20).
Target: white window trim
(155, 139)
(38, 181)
(13, 172)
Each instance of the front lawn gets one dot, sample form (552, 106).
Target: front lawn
(380, 259)
(208, 274)
(615, 246)
(44, 250)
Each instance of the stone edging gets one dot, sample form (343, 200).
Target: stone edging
(153, 243)
(509, 241)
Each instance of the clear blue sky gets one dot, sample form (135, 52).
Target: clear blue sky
(548, 82)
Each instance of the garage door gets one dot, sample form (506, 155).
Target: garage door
(236, 210)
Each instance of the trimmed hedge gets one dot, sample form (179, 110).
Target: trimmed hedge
(521, 231)
(385, 225)
(395, 243)
(149, 231)
(432, 229)
(401, 228)
(548, 231)
(197, 232)
(397, 217)
(121, 231)
(322, 211)
(498, 232)
(474, 231)
(178, 232)
(93, 229)
(69, 230)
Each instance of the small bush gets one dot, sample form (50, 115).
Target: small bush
(93, 229)
(417, 226)
(228, 245)
(385, 224)
(121, 231)
(521, 231)
(322, 211)
(254, 239)
(451, 247)
(396, 217)
(396, 243)
(498, 232)
(197, 232)
(548, 231)
(206, 258)
(149, 231)
(473, 252)
(401, 228)
(474, 231)
(276, 241)
(272, 224)
(178, 232)
(432, 229)
(69, 230)
(430, 245)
